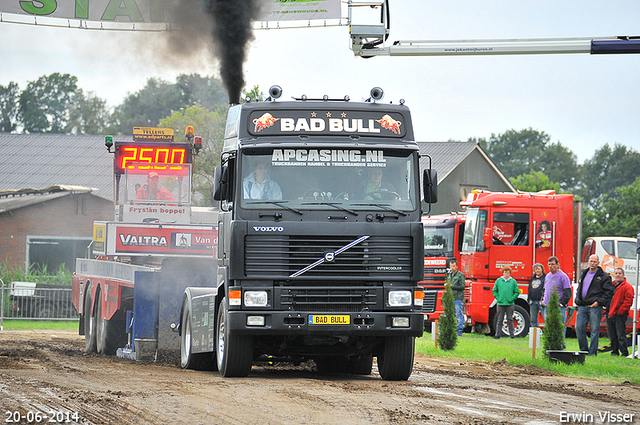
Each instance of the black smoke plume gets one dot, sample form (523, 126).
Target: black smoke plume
(232, 31)
(205, 29)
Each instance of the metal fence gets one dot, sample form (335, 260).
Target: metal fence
(36, 301)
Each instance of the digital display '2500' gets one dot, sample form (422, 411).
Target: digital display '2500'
(127, 155)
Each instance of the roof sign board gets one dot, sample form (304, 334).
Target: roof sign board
(152, 134)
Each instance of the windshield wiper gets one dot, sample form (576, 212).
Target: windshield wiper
(278, 203)
(332, 204)
(385, 207)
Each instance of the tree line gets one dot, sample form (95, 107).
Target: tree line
(606, 182)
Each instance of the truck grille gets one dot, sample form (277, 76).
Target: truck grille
(429, 302)
(280, 256)
(327, 299)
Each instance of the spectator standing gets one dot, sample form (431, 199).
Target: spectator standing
(536, 293)
(457, 286)
(557, 280)
(595, 291)
(506, 291)
(618, 312)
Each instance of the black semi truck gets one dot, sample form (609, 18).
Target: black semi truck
(320, 243)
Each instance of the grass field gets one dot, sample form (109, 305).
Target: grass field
(28, 325)
(517, 352)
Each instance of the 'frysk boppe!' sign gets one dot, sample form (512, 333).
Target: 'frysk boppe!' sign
(366, 124)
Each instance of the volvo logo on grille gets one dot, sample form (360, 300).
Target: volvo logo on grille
(330, 256)
(268, 229)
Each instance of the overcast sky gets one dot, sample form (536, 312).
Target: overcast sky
(580, 100)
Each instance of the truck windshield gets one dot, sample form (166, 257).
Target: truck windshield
(438, 241)
(335, 179)
(474, 230)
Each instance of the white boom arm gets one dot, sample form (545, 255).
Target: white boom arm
(369, 40)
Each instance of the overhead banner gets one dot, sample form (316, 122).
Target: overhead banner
(158, 11)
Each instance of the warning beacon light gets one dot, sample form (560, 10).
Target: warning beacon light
(197, 144)
(188, 133)
(108, 142)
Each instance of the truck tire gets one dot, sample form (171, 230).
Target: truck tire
(89, 323)
(521, 324)
(234, 353)
(396, 361)
(109, 333)
(188, 359)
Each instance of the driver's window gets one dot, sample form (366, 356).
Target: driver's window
(511, 229)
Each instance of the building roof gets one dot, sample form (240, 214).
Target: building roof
(15, 199)
(446, 156)
(43, 160)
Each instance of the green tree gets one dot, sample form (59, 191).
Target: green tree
(528, 150)
(8, 107)
(561, 165)
(448, 338)
(534, 182)
(210, 125)
(45, 103)
(88, 114)
(253, 95)
(159, 99)
(616, 215)
(608, 169)
(553, 336)
(205, 91)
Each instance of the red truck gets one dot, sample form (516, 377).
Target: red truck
(442, 243)
(518, 230)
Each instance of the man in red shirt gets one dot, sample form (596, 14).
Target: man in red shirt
(618, 312)
(151, 190)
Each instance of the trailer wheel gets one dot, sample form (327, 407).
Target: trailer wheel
(89, 323)
(109, 333)
(521, 323)
(234, 352)
(188, 359)
(396, 362)
(44, 310)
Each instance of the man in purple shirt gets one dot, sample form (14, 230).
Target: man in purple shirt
(558, 281)
(595, 291)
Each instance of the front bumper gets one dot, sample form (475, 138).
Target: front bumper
(297, 323)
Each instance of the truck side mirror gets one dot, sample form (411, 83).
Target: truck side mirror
(430, 186)
(487, 237)
(220, 183)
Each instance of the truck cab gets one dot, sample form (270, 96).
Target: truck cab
(518, 230)
(442, 243)
(320, 239)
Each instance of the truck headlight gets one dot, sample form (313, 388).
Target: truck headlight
(399, 298)
(255, 298)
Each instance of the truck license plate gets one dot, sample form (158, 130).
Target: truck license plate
(329, 319)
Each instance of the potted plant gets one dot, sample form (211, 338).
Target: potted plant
(553, 336)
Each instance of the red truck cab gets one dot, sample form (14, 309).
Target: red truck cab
(442, 243)
(518, 230)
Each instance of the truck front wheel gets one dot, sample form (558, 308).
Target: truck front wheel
(188, 359)
(234, 353)
(396, 361)
(89, 323)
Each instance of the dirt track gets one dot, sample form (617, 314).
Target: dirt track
(48, 372)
